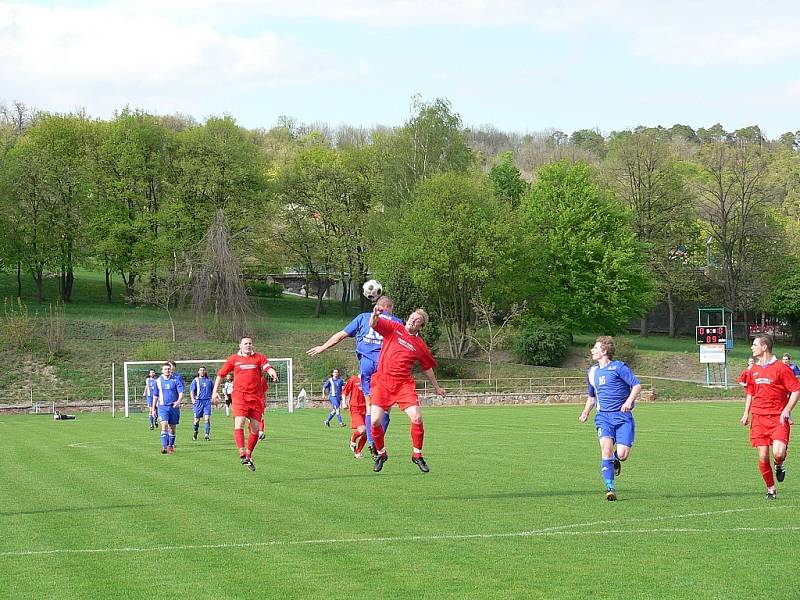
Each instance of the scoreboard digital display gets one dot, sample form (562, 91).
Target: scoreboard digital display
(718, 334)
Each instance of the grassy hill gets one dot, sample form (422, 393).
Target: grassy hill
(98, 333)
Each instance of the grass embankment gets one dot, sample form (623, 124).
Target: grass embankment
(99, 333)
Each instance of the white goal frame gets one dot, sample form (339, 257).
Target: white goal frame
(199, 363)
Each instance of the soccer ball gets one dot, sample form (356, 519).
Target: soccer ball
(372, 289)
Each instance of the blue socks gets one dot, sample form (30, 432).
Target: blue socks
(172, 440)
(164, 439)
(607, 471)
(208, 427)
(368, 422)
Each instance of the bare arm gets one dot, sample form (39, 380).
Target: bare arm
(587, 408)
(440, 391)
(627, 406)
(332, 341)
(273, 374)
(748, 400)
(786, 415)
(215, 393)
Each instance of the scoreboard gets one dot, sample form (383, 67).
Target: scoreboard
(717, 334)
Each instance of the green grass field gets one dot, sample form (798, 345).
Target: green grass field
(513, 508)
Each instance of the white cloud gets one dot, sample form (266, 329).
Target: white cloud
(75, 55)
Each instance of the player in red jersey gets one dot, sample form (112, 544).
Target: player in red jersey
(248, 369)
(402, 347)
(746, 379)
(354, 396)
(776, 391)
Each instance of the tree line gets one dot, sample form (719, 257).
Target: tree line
(587, 230)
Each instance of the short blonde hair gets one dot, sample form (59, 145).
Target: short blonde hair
(421, 312)
(607, 344)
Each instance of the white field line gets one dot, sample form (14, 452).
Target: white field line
(547, 531)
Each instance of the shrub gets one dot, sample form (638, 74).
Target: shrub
(450, 369)
(55, 330)
(18, 326)
(264, 290)
(542, 344)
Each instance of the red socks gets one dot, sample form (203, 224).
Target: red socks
(238, 437)
(417, 435)
(362, 440)
(252, 440)
(766, 473)
(377, 436)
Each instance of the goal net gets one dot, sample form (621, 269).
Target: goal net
(280, 394)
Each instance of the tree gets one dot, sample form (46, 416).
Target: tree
(508, 182)
(451, 241)
(133, 169)
(218, 167)
(589, 140)
(784, 299)
(165, 288)
(217, 286)
(646, 176)
(733, 199)
(432, 141)
(582, 265)
(487, 318)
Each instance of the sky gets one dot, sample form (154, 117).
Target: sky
(523, 66)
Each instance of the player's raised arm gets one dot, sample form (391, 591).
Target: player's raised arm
(377, 310)
(332, 341)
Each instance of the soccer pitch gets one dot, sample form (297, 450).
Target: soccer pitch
(513, 508)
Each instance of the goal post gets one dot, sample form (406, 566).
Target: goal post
(135, 372)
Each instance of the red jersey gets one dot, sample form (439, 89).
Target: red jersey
(746, 378)
(248, 376)
(352, 389)
(401, 350)
(773, 383)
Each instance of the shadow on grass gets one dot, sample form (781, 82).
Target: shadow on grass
(44, 511)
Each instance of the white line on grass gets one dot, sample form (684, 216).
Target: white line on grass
(547, 531)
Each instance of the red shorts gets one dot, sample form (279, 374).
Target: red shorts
(386, 392)
(765, 429)
(357, 416)
(251, 410)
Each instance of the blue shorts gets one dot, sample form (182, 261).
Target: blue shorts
(616, 425)
(171, 415)
(149, 400)
(202, 408)
(335, 401)
(367, 367)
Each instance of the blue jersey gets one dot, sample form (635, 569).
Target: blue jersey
(334, 387)
(368, 341)
(150, 387)
(611, 385)
(168, 390)
(202, 388)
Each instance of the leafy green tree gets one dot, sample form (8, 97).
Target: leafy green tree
(451, 241)
(645, 174)
(218, 167)
(508, 182)
(735, 202)
(589, 140)
(133, 171)
(432, 141)
(578, 260)
(784, 299)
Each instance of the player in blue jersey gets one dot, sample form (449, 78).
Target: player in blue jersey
(332, 391)
(170, 395)
(368, 349)
(148, 394)
(787, 360)
(613, 387)
(200, 390)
